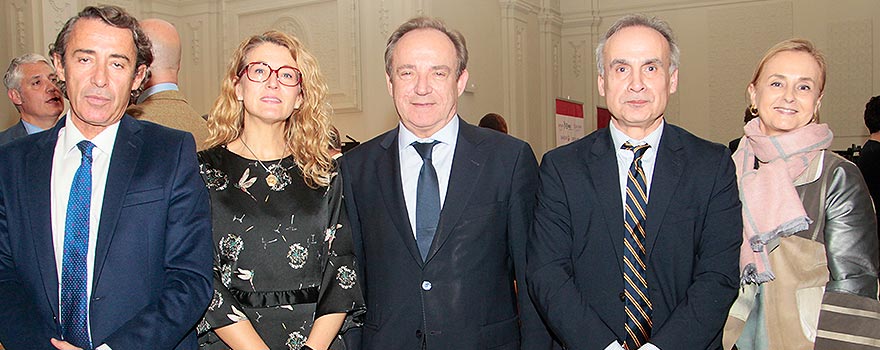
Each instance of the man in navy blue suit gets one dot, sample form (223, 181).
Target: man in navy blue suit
(445, 280)
(667, 277)
(105, 230)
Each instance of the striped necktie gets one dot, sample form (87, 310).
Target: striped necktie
(638, 304)
(74, 276)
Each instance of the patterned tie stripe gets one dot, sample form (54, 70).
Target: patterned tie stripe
(427, 199)
(74, 302)
(638, 306)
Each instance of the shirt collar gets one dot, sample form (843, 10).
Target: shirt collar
(619, 138)
(448, 134)
(30, 128)
(152, 90)
(103, 141)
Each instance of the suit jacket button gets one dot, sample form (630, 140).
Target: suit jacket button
(426, 285)
(622, 296)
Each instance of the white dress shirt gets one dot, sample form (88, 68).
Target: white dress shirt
(411, 163)
(625, 157)
(624, 160)
(65, 162)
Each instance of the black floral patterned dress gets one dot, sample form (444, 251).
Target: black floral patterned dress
(283, 251)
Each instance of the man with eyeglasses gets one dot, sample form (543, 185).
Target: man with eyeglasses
(161, 102)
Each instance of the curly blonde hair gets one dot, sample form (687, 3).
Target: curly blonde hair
(307, 131)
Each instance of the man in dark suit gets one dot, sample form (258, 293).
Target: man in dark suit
(30, 86)
(638, 226)
(105, 230)
(440, 211)
(162, 102)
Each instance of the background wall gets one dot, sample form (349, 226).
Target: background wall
(524, 53)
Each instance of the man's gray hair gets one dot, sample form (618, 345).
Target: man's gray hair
(637, 20)
(13, 75)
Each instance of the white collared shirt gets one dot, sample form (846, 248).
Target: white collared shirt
(625, 157)
(411, 163)
(65, 162)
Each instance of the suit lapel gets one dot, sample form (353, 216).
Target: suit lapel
(602, 163)
(466, 166)
(668, 169)
(392, 192)
(123, 161)
(38, 171)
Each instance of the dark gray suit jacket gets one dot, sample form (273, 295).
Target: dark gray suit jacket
(693, 227)
(463, 296)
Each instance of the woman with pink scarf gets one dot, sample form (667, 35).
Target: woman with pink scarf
(809, 258)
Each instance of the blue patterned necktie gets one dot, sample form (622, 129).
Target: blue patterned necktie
(638, 304)
(427, 199)
(74, 302)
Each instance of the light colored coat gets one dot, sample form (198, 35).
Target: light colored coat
(169, 108)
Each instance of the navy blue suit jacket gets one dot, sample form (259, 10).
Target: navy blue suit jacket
(13, 132)
(152, 273)
(462, 296)
(693, 227)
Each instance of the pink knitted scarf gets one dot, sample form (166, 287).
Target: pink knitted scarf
(771, 207)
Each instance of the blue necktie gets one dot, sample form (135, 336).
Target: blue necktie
(427, 199)
(638, 304)
(74, 302)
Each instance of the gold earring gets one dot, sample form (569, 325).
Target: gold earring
(753, 110)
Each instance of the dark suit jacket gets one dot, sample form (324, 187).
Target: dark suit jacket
(463, 296)
(12, 133)
(152, 274)
(694, 231)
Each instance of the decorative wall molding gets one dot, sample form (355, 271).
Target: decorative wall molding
(56, 14)
(556, 58)
(578, 47)
(20, 26)
(582, 19)
(520, 42)
(656, 6)
(518, 6)
(195, 43)
(330, 31)
(384, 19)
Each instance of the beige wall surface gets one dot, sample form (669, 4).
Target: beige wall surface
(523, 53)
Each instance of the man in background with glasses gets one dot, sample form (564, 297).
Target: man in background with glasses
(161, 102)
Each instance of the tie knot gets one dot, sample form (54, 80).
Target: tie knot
(425, 149)
(86, 146)
(638, 151)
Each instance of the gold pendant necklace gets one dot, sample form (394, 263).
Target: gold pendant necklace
(271, 179)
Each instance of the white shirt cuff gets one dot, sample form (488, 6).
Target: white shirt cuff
(613, 346)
